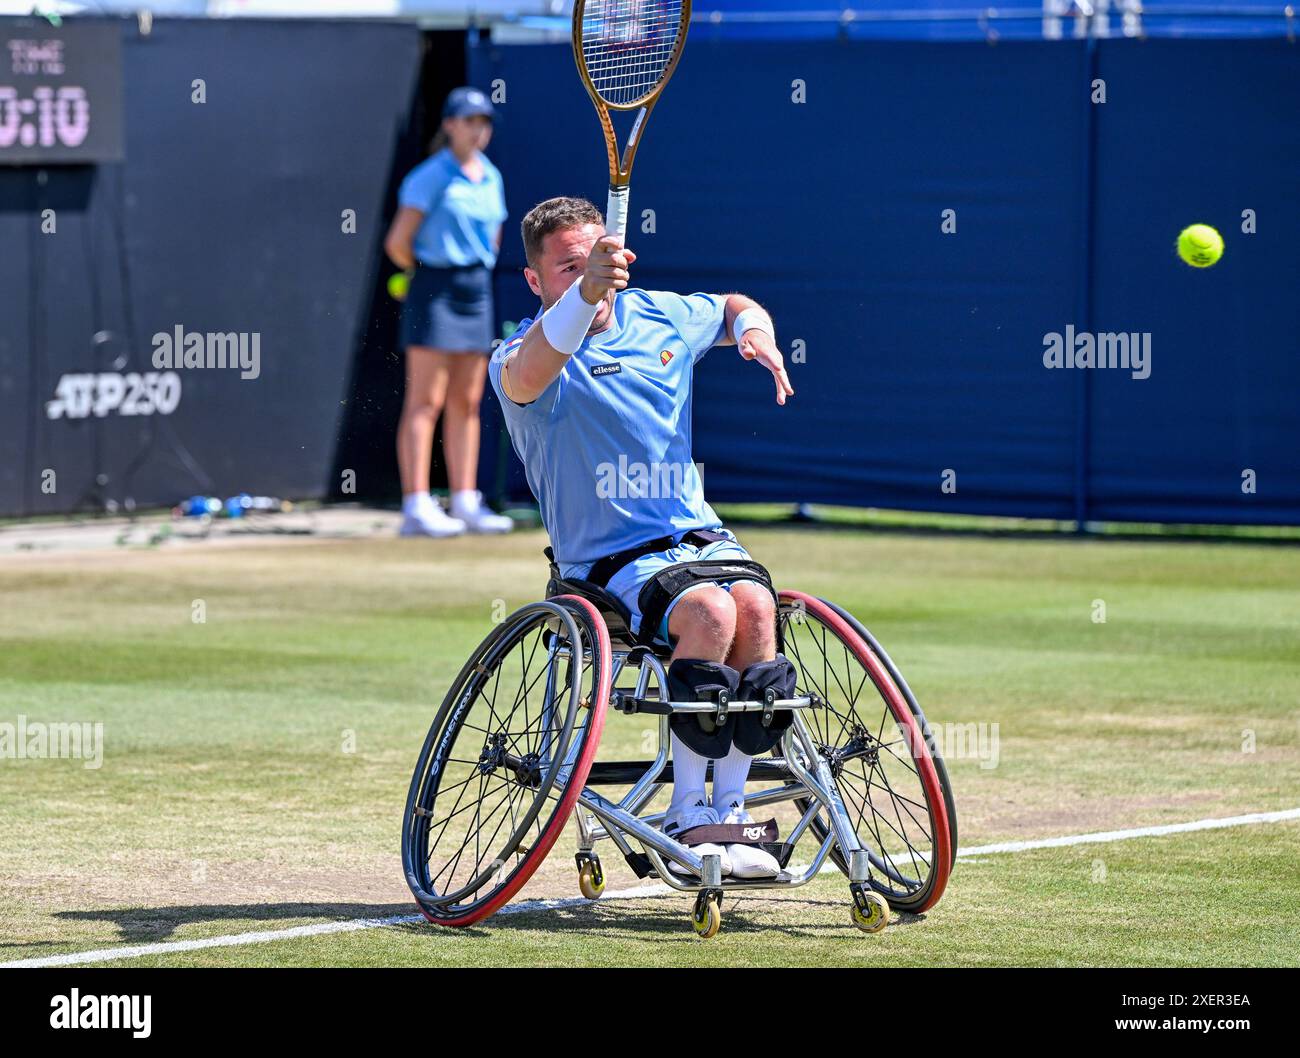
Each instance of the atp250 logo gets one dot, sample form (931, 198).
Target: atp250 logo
(79, 396)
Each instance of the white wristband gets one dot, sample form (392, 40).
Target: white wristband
(566, 322)
(753, 318)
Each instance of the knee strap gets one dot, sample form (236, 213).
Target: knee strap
(693, 680)
(751, 735)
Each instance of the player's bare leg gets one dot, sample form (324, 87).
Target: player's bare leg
(704, 624)
(755, 638)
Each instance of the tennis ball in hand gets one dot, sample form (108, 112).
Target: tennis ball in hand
(398, 284)
(1200, 245)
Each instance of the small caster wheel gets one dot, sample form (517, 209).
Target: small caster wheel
(870, 912)
(707, 917)
(591, 880)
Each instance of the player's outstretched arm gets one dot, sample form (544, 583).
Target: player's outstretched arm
(547, 347)
(750, 327)
(530, 369)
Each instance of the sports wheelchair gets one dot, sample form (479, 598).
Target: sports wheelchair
(512, 753)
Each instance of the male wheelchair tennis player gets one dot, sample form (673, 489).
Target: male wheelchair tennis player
(647, 581)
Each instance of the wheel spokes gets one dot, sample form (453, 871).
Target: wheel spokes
(496, 760)
(859, 737)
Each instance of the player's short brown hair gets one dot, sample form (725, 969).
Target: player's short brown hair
(555, 214)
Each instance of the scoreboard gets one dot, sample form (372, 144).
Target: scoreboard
(60, 93)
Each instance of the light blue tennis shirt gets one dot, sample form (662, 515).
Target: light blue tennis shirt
(607, 446)
(462, 217)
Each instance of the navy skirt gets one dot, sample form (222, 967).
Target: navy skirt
(449, 308)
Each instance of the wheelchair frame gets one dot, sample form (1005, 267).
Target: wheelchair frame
(801, 770)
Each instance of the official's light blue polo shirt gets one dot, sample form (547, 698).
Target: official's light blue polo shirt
(607, 446)
(462, 217)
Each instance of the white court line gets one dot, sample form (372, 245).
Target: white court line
(1114, 835)
(1137, 832)
(164, 947)
(352, 926)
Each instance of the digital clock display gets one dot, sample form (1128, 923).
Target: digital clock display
(60, 93)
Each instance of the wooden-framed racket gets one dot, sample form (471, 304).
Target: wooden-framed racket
(626, 50)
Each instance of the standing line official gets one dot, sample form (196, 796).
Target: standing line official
(448, 229)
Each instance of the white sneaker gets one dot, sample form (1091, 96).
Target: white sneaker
(478, 516)
(430, 520)
(696, 815)
(748, 861)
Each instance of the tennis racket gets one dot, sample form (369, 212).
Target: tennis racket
(626, 50)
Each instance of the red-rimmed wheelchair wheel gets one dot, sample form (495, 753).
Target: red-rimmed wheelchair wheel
(874, 737)
(505, 760)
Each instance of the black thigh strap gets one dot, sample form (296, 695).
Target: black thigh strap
(603, 569)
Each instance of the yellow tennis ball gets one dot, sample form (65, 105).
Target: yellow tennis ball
(1200, 245)
(398, 285)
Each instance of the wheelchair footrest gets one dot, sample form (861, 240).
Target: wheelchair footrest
(781, 850)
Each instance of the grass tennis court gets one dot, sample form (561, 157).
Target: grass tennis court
(255, 763)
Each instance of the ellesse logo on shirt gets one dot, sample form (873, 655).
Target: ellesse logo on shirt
(605, 369)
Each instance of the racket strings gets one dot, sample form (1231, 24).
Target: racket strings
(627, 45)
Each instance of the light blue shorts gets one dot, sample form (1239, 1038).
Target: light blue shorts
(627, 583)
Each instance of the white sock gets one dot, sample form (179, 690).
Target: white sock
(464, 501)
(688, 776)
(729, 775)
(415, 502)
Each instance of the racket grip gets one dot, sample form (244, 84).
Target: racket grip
(616, 211)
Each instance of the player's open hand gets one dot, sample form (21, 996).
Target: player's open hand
(761, 346)
(607, 268)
